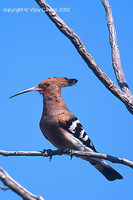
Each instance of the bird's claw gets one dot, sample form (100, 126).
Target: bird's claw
(50, 158)
(71, 154)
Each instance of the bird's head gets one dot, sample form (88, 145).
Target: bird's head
(50, 84)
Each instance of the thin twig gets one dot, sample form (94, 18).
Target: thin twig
(16, 187)
(50, 153)
(116, 62)
(4, 188)
(68, 32)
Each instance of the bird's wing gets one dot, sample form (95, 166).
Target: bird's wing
(71, 124)
(74, 127)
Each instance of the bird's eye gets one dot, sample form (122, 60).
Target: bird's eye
(47, 84)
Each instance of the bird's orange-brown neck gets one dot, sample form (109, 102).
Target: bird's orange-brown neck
(53, 103)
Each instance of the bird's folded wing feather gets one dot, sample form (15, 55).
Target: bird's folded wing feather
(74, 127)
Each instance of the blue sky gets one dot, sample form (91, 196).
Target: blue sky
(31, 50)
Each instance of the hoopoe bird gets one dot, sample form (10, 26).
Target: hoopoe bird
(62, 128)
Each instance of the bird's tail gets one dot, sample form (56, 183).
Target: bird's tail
(106, 170)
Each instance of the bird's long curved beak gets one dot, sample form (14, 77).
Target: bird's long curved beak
(36, 88)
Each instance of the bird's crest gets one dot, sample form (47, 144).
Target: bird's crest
(58, 81)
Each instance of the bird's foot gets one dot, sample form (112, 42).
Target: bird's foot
(67, 151)
(47, 153)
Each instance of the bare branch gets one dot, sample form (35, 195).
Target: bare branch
(21, 153)
(116, 62)
(68, 32)
(50, 153)
(16, 187)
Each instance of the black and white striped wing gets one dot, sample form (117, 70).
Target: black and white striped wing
(74, 127)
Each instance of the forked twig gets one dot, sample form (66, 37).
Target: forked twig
(16, 187)
(124, 95)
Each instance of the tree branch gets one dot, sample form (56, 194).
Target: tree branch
(16, 187)
(68, 32)
(50, 153)
(116, 62)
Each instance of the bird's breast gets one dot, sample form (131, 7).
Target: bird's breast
(54, 133)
